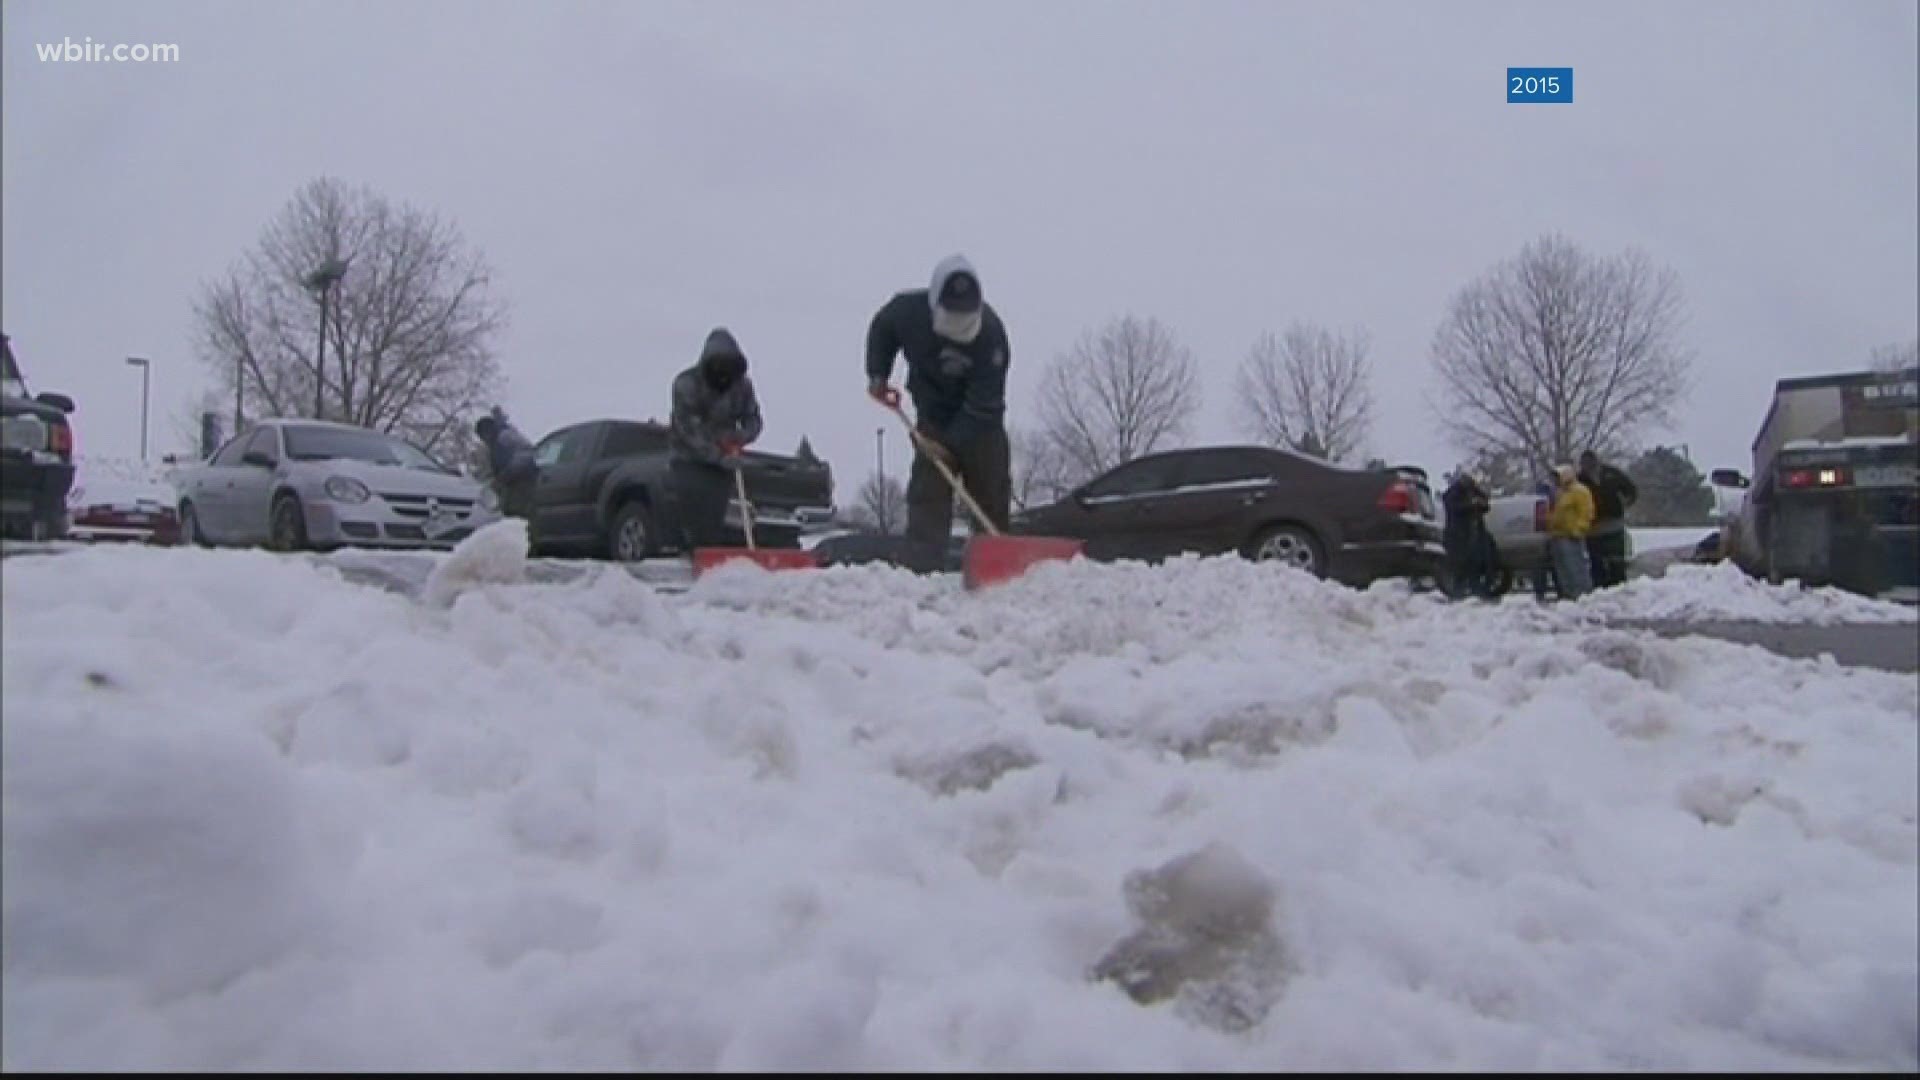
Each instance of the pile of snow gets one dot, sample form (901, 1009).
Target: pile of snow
(1203, 816)
(1724, 592)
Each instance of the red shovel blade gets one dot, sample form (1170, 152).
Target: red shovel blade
(705, 559)
(990, 560)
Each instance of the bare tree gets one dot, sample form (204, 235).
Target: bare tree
(880, 505)
(1041, 472)
(1897, 357)
(184, 423)
(1556, 352)
(1308, 390)
(1123, 390)
(410, 320)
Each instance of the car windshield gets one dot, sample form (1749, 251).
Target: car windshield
(320, 444)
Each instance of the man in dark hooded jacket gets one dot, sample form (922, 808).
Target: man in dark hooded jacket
(1613, 494)
(1468, 545)
(510, 464)
(957, 356)
(715, 416)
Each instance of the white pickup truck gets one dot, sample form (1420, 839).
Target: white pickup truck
(1518, 525)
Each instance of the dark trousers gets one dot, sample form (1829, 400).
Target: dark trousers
(984, 467)
(1470, 555)
(516, 496)
(701, 493)
(1607, 558)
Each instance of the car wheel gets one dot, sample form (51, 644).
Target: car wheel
(288, 531)
(190, 526)
(1291, 545)
(630, 540)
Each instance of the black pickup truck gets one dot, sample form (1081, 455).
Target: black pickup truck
(604, 491)
(36, 456)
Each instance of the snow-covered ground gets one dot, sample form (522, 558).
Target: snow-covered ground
(1723, 591)
(1199, 816)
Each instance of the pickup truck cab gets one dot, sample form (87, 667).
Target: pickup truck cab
(603, 491)
(1834, 493)
(36, 456)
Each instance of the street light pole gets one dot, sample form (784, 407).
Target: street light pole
(322, 281)
(146, 382)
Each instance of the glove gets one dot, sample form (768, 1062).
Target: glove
(878, 390)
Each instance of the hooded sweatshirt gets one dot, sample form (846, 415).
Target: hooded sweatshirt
(509, 454)
(713, 401)
(958, 385)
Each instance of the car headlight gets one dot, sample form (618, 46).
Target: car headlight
(347, 490)
(489, 499)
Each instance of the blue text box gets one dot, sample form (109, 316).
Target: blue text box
(1540, 86)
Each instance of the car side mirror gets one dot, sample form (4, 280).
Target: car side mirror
(58, 401)
(1730, 478)
(256, 457)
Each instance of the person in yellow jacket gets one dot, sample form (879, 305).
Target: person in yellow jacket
(1567, 525)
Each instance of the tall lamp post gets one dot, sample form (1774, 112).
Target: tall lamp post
(146, 382)
(322, 281)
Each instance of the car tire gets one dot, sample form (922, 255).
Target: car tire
(190, 526)
(287, 528)
(632, 536)
(1289, 544)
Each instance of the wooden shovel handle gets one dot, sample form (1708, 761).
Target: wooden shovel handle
(746, 506)
(920, 443)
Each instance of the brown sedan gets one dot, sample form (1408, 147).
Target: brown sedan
(1351, 525)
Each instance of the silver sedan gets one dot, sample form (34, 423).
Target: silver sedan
(299, 484)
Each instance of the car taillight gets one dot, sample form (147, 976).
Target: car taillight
(60, 440)
(1399, 498)
(1540, 515)
(1813, 478)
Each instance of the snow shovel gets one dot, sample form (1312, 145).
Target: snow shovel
(992, 557)
(705, 559)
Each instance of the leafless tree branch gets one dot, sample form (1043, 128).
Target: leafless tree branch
(1041, 471)
(1897, 357)
(1557, 351)
(1308, 390)
(1124, 390)
(409, 327)
(881, 504)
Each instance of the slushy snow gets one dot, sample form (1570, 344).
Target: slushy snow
(1201, 816)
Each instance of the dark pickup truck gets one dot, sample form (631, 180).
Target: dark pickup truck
(604, 491)
(36, 456)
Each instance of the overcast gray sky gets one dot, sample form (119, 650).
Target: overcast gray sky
(639, 171)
